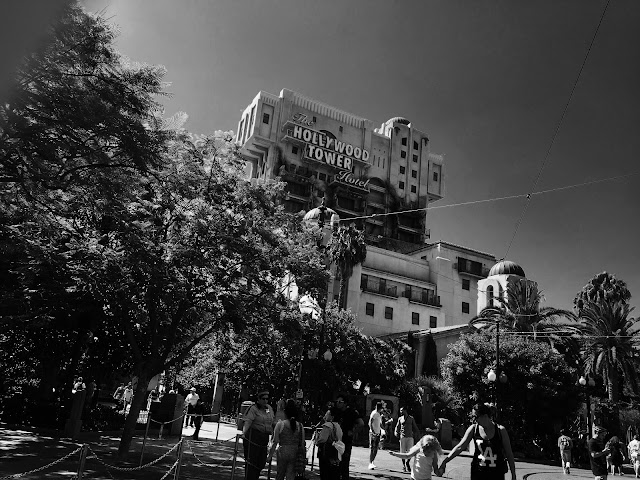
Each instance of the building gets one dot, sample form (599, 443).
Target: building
(322, 152)
(504, 277)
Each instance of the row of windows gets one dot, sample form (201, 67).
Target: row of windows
(414, 189)
(414, 173)
(404, 143)
(388, 314)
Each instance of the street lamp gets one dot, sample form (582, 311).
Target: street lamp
(496, 374)
(583, 382)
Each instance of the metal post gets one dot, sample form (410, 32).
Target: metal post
(497, 365)
(83, 457)
(177, 473)
(218, 429)
(235, 457)
(146, 433)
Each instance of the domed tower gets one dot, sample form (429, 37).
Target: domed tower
(502, 276)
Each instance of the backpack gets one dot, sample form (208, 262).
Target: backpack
(564, 443)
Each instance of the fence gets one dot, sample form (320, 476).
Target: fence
(86, 454)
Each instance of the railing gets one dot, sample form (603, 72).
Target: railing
(380, 289)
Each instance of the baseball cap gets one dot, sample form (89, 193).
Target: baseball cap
(599, 429)
(193, 389)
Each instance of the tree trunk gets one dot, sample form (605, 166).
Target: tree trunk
(139, 397)
(342, 293)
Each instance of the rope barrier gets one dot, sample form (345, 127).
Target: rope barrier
(134, 469)
(39, 469)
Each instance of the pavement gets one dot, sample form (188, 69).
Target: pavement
(24, 449)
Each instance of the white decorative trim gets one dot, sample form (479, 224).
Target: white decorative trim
(328, 111)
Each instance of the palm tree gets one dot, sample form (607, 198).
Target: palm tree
(608, 344)
(347, 249)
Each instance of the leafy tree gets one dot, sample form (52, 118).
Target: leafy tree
(539, 395)
(602, 288)
(346, 249)
(608, 344)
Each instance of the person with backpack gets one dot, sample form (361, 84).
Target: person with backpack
(565, 444)
(328, 455)
(492, 453)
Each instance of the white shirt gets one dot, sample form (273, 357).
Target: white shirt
(634, 447)
(375, 419)
(192, 398)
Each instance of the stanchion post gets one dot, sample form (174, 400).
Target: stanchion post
(160, 432)
(146, 433)
(177, 473)
(235, 457)
(83, 457)
(218, 430)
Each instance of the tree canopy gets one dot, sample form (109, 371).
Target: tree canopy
(602, 288)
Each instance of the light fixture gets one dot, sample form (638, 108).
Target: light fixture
(328, 355)
(491, 375)
(503, 378)
(582, 381)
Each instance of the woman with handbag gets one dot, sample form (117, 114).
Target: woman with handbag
(288, 443)
(258, 426)
(492, 448)
(328, 455)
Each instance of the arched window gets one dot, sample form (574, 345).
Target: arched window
(501, 292)
(490, 296)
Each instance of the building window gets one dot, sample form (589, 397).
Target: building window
(433, 321)
(401, 170)
(413, 189)
(294, 149)
(404, 141)
(435, 176)
(401, 185)
(388, 313)
(403, 154)
(341, 129)
(414, 174)
(490, 296)
(415, 145)
(466, 284)
(322, 176)
(265, 118)
(465, 307)
(500, 292)
(314, 119)
(415, 318)
(415, 158)
(370, 309)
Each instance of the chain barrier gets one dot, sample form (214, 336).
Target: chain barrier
(39, 469)
(134, 469)
(170, 469)
(165, 423)
(211, 465)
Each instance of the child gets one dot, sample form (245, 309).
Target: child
(426, 452)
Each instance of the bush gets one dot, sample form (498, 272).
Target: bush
(103, 418)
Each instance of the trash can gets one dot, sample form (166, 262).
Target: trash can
(244, 408)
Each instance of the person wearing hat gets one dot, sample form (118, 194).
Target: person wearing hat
(190, 402)
(258, 426)
(598, 453)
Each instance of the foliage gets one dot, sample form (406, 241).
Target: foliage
(608, 344)
(602, 288)
(346, 249)
(102, 418)
(539, 395)
(442, 397)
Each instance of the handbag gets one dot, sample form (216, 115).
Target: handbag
(301, 456)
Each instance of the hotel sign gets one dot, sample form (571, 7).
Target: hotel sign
(323, 148)
(347, 178)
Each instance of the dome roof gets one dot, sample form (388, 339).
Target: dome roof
(314, 214)
(506, 267)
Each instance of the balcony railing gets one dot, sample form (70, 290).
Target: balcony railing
(425, 299)
(380, 289)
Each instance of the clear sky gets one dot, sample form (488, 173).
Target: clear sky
(488, 82)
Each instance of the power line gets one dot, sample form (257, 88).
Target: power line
(555, 133)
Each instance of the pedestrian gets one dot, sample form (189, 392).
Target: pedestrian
(598, 453)
(375, 431)
(426, 453)
(350, 421)
(78, 386)
(198, 417)
(565, 444)
(189, 404)
(328, 455)
(616, 456)
(288, 439)
(492, 447)
(258, 426)
(406, 430)
(117, 395)
(633, 449)
(127, 397)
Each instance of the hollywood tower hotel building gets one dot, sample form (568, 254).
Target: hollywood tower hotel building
(320, 151)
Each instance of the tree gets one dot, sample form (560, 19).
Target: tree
(539, 395)
(347, 248)
(608, 344)
(602, 288)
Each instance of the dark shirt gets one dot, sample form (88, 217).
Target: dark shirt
(598, 465)
(347, 420)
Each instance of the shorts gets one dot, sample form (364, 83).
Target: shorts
(635, 460)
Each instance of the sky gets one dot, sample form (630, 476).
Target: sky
(488, 81)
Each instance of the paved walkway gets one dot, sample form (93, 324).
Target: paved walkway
(22, 450)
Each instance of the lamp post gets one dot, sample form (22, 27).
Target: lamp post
(496, 374)
(583, 382)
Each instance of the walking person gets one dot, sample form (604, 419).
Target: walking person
(127, 397)
(190, 402)
(258, 426)
(598, 453)
(328, 455)
(616, 455)
(426, 453)
(198, 418)
(565, 444)
(288, 439)
(406, 430)
(375, 430)
(350, 421)
(117, 395)
(492, 447)
(633, 449)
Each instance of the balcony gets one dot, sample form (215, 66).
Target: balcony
(471, 268)
(381, 289)
(431, 300)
